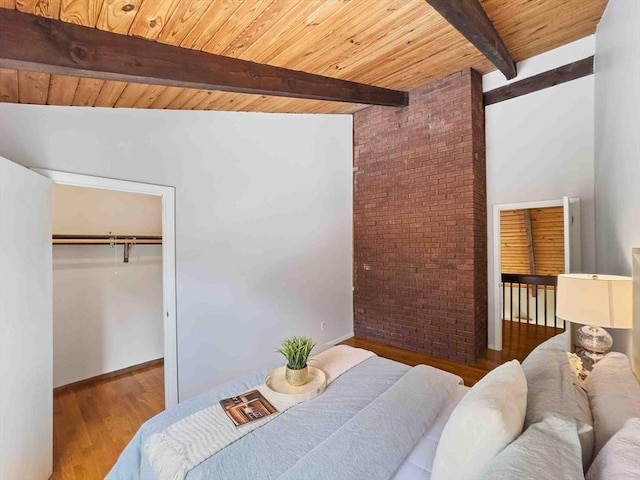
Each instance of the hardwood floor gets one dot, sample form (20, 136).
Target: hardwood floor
(518, 341)
(93, 422)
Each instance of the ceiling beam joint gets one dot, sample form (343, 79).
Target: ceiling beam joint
(470, 19)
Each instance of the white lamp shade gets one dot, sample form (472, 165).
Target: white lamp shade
(598, 300)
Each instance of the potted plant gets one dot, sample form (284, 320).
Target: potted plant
(297, 350)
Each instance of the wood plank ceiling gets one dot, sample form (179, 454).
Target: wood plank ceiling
(398, 44)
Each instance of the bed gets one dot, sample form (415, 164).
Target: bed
(379, 419)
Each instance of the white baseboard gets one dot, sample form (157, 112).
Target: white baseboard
(335, 341)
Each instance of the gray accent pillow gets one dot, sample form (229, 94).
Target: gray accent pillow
(551, 392)
(549, 449)
(620, 457)
(614, 394)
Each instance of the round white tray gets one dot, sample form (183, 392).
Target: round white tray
(277, 383)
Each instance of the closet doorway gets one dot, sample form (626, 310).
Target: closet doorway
(119, 257)
(533, 243)
(107, 284)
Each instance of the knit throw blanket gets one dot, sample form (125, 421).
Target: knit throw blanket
(190, 441)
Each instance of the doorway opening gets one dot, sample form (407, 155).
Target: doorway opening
(107, 284)
(534, 242)
(167, 312)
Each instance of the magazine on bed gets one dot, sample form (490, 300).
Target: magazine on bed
(247, 407)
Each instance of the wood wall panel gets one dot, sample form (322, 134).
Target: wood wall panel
(33, 87)
(151, 18)
(398, 44)
(130, 95)
(109, 94)
(226, 101)
(62, 89)
(290, 30)
(236, 45)
(150, 95)
(548, 241)
(87, 92)
(390, 35)
(117, 15)
(9, 91)
(166, 97)
(81, 12)
(43, 8)
(513, 242)
(244, 19)
(180, 99)
(204, 103)
(197, 99)
(184, 18)
(312, 44)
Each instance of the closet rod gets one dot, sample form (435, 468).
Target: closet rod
(127, 240)
(59, 239)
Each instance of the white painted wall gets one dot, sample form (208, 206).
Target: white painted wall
(264, 217)
(96, 211)
(635, 340)
(26, 404)
(617, 141)
(540, 147)
(107, 314)
(617, 145)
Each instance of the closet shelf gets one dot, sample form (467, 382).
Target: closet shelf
(127, 240)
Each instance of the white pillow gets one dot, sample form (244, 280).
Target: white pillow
(619, 459)
(487, 419)
(614, 394)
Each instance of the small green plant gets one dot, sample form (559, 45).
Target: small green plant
(296, 350)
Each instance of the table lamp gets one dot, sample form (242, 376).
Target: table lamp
(596, 301)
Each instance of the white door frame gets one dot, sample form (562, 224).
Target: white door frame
(168, 260)
(496, 341)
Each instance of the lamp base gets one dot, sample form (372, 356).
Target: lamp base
(595, 342)
(589, 359)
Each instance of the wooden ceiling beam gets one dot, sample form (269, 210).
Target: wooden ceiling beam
(34, 43)
(550, 78)
(470, 19)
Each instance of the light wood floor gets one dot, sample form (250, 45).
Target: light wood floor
(93, 423)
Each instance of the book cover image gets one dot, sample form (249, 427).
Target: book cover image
(247, 407)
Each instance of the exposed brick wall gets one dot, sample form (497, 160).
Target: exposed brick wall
(420, 234)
